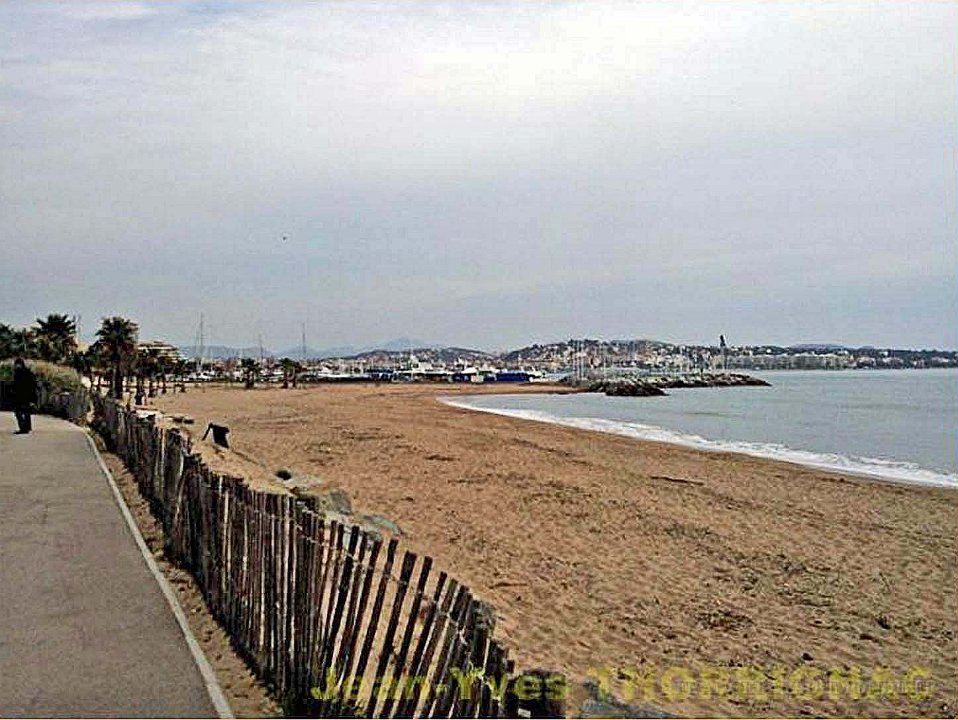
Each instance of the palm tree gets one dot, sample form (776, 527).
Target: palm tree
(229, 368)
(95, 358)
(250, 371)
(117, 341)
(56, 338)
(181, 368)
(17, 341)
(148, 364)
(85, 362)
(6, 340)
(290, 368)
(167, 367)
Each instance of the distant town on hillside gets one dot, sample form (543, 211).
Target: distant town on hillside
(640, 354)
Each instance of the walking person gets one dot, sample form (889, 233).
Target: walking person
(24, 395)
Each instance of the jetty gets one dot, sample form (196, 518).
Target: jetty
(656, 385)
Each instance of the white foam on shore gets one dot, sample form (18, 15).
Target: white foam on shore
(878, 468)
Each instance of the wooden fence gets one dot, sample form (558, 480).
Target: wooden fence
(336, 620)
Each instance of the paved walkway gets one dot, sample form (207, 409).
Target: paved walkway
(84, 627)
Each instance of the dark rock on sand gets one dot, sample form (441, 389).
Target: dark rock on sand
(600, 704)
(381, 523)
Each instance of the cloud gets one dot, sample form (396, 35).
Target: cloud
(100, 11)
(430, 155)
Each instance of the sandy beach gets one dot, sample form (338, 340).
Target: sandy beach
(619, 558)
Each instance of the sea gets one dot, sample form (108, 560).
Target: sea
(897, 425)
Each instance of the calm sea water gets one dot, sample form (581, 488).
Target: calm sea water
(898, 425)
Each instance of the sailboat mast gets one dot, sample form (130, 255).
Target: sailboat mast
(200, 348)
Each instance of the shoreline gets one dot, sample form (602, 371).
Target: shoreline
(785, 454)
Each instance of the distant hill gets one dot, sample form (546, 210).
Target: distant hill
(296, 353)
(348, 351)
(816, 347)
(223, 352)
(401, 344)
(426, 354)
(538, 351)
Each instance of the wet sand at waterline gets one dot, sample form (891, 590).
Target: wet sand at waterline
(602, 552)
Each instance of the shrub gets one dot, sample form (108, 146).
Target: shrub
(62, 392)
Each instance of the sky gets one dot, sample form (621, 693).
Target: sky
(483, 174)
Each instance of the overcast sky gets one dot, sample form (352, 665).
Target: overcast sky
(482, 173)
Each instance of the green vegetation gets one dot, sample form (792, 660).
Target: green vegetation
(54, 378)
(250, 372)
(56, 338)
(53, 339)
(116, 350)
(59, 362)
(62, 392)
(290, 370)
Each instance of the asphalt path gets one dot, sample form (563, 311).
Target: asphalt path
(85, 629)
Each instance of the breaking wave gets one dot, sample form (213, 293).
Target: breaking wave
(870, 467)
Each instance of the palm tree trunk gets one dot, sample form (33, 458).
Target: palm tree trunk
(117, 383)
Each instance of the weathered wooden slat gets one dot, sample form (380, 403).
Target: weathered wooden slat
(315, 543)
(339, 591)
(292, 687)
(259, 597)
(270, 595)
(430, 672)
(412, 616)
(295, 684)
(328, 590)
(496, 678)
(322, 547)
(417, 667)
(458, 632)
(408, 561)
(482, 628)
(347, 636)
(282, 593)
(348, 698)
(247, 603)
(372, 626)
(449, 612)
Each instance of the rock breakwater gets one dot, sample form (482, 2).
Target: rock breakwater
(656, 385)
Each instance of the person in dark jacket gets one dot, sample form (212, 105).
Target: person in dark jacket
(24, 394)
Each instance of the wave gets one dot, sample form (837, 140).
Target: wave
(879, 468)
